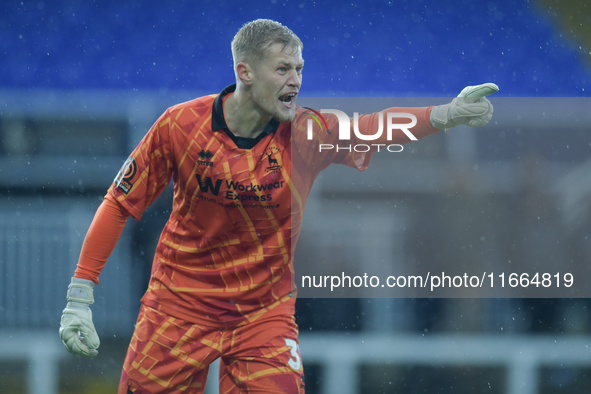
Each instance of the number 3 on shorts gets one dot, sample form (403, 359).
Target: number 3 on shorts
(295, 353)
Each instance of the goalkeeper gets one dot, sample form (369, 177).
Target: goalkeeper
(222, 278)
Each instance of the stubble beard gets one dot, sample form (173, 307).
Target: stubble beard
(282, 117)
(277, 114)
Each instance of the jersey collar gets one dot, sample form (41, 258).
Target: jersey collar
(219, 123)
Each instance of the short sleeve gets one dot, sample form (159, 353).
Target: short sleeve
(147, 171)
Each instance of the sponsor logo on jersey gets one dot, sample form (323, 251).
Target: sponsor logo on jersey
(206, 185)
(124, 178)
(236, 191)
(205, 156)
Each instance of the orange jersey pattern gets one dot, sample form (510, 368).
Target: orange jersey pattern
(225, 255)
(171, 355)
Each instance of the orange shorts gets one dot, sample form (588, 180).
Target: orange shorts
(170, 355)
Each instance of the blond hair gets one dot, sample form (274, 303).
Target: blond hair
(254, 38)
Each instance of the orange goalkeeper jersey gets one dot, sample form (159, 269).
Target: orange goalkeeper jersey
(225, 254)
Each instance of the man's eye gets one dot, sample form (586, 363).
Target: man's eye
(282, 69)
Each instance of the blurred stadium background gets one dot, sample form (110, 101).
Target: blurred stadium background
(81, 82)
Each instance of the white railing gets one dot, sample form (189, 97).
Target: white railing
(340, 356)
(40, 241)
(41, 351)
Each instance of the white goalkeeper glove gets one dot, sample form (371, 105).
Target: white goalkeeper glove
(76, 329)
(471, 108)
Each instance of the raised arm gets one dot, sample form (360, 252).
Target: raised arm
(370, 124)
(470, 108)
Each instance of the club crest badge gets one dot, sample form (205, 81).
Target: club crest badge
(272, 159)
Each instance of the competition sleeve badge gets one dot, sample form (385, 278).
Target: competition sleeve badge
(124, 178)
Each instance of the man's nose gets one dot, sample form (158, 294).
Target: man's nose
(295, 79)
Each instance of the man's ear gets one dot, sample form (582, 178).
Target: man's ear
(245, 73)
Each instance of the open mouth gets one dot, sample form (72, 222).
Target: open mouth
(288, 99)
